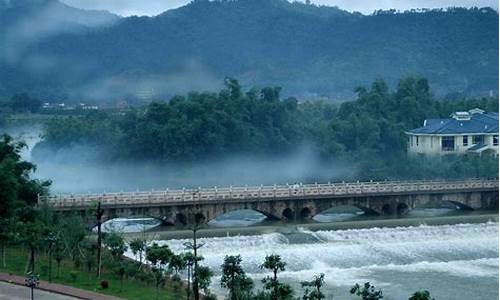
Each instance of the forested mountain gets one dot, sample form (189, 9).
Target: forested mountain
(309, 50)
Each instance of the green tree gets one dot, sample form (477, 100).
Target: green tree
(234, 278)
(116, 245)
(138, 246)
(6, 227)
(190, 262)
(51, 240)
(72, 233)
(121, 270)
(159, 257)
(366, 292)
(177, 263)
(16, 187)
(59, 255)
(278, 290)
(421, 295)
(31, 233)
(204, 275)
(313, 288)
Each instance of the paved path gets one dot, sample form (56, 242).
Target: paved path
(21, 292)
(10, 291)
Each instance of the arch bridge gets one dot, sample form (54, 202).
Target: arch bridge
(285, 202)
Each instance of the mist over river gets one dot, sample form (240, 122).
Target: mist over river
(452, 261)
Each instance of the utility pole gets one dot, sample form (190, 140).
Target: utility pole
(196, 292)
(99, 214)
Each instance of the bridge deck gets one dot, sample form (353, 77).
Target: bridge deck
(256, 193)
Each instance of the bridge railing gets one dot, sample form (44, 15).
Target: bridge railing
(199, 195)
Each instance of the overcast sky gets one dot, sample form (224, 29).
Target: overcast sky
(154, 7)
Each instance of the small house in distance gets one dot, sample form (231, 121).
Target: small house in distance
(473, 131)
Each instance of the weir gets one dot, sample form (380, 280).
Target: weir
(286, 202)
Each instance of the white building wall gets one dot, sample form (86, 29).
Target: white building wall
(431, 144)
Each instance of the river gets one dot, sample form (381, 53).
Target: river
(452, 261)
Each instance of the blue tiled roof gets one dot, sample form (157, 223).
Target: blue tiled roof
(479, 123)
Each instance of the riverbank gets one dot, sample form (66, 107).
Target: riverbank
(71, 278)
(181, 233)
(54, 289)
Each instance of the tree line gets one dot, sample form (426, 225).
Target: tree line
(367, 133)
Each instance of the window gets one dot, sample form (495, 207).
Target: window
(448, 143)
(477, 139)
(495, 140)
(416, 140)
(465, 140)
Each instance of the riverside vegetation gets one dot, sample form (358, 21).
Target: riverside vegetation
(367, 134)
(62, 248)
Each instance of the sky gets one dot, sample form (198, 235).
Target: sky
(154, 7)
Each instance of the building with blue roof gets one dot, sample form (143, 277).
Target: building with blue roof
(473, 131)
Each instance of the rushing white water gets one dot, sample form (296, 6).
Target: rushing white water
(125, 225)
(452, 261)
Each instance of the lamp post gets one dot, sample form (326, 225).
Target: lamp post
(31, 282)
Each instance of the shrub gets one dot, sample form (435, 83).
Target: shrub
(104, 284)
(44, 270)
(73, 275)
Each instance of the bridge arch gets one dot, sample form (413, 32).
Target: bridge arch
(305, 213)
(343, 212)
(288, 214)
(180, 219)
(402, 209)
(387, 209)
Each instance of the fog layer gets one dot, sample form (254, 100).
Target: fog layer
(84, 175)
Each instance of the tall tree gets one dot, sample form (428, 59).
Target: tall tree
(115, 244)
(313, 288)
(234, 278)
(159, 257)
(278, 290)
(138, 246)
(16, 186)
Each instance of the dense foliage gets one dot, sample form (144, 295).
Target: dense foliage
(309, 50)
(367, 133)
(17, 189)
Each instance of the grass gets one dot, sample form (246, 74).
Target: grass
(132, 289)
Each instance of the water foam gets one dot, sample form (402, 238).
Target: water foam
(357, 255)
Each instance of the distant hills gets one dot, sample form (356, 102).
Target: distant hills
(55, 51)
